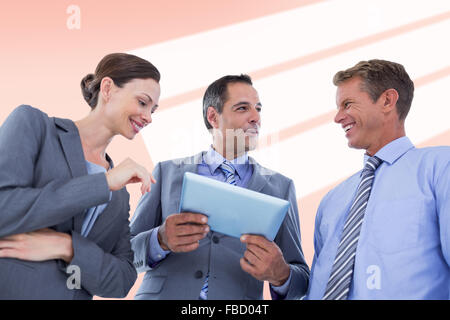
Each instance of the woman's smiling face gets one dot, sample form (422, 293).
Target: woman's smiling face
(129, 109)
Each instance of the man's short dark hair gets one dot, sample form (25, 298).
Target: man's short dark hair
(216, 94)
(378, 76)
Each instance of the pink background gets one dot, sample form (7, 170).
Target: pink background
(42, 62)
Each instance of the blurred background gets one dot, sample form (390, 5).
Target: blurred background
(291, 48)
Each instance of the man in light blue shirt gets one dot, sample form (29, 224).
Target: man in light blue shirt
(403, 247)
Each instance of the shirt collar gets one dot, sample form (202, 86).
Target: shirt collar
(214, 159)
(393, 150)
(93, 168)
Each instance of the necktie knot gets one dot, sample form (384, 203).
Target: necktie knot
(229, 171)
(227, 168)
(372, 164)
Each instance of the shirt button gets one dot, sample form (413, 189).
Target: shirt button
(198, 274)
(215, 239)
(159, 256)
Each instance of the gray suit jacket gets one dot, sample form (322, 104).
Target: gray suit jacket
(181, 275)
(44, 183)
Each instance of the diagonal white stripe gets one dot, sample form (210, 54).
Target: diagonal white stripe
(359, 196)
(345, 250)
(342, 294)
(364, 180)
(350, 232)
(370, 164)
(333, 274)
(362, 206)
(331, 290)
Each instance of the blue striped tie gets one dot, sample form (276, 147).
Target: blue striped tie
(342, 272)
(229, 173)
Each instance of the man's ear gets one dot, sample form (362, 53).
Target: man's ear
(390, 98)
(213, 117)
(106, 86)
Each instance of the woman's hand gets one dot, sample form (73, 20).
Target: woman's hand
(40, 245)
(127, 172)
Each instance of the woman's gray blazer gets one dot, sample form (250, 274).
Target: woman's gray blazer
(44, 183)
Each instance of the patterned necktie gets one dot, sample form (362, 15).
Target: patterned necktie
(342, 272)
(229, 173)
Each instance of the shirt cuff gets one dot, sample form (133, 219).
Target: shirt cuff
(156, 253)
(281, 291)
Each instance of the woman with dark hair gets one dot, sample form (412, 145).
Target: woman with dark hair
(64, 208)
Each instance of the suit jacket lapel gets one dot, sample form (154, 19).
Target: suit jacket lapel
(108, 215)
(71, 145)
(189, 164)
(258, 179)
(73, 152)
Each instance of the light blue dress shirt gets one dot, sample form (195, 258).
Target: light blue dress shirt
(93, 213)
(210, 168)
(404, 247)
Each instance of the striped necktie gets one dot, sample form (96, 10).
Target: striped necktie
(229, 173)
(342, 272)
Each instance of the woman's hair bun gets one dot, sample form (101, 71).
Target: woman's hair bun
(121, 68)
(86, 88)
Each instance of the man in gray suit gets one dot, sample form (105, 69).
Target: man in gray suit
(182, 258)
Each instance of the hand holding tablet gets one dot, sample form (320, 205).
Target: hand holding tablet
(232, 210)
